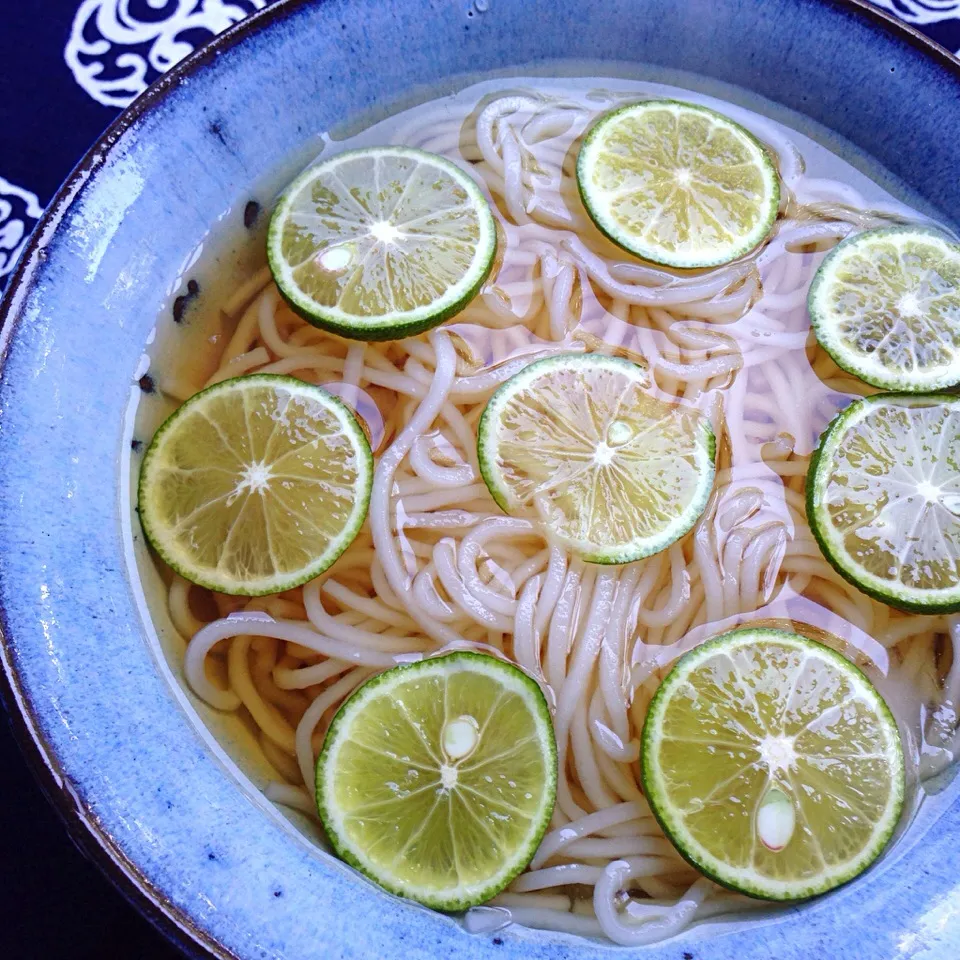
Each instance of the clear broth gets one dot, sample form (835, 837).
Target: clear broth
(193, 330)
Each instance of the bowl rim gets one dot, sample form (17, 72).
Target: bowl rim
(94, 843)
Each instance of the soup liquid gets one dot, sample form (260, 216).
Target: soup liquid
(742, 354)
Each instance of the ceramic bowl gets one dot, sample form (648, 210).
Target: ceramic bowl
(174, 816)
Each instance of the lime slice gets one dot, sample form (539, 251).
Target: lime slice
(613, 472)
(772, 764)
(883, 499)
(437, 780)
(678, 184)
(885, 304)
(255, 485)
(381, 243)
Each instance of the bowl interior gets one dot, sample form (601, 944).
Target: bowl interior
(129, 748)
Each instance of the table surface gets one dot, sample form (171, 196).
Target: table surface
(53, 903)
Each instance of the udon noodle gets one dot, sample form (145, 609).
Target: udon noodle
(438, 565)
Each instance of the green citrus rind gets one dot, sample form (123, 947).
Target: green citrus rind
(595, 205)
(655, 791)
(341, 730)
(492, 474)
(915, 601)
(174, 556)
(398, 324)
(866, 364)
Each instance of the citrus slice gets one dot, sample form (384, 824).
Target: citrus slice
(883, 499)
(614, 473)
(678, 184)
(885, 304)
(255, 485)
(381, 243)
(438, 779)
(772, 764)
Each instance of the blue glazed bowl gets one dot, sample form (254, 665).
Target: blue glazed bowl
(123, 751)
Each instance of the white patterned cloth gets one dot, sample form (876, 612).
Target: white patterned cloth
(117, 48)
(19, 212)
(922, 11)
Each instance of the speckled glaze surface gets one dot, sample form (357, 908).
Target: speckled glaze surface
(124, 756)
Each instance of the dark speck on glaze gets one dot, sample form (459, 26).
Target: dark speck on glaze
(182, 302)
(216, 128)
(250, 213)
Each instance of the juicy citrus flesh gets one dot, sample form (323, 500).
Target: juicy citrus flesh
(613, 472)
(255, 485)
(884, 499)
(759, 715)
(678, 184)
(421, 805)
(886, 306)
(381, 243)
